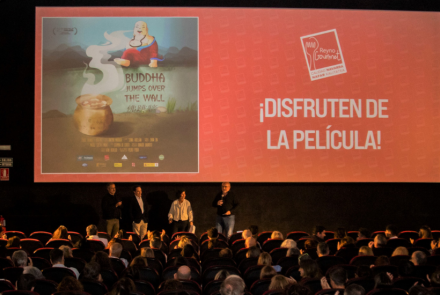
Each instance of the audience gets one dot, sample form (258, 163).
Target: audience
(92, 234)
(309, 269)
(382, 280)
(253, 252)
(133, 271)
(115, 252)
(380, 241)
(354, 289)
(319, 233)
(391, 231)
(92, 272)
(67, 251)
(250, 242)
(382, 260)
(222, 275)
(264, 259)
(338, 278)
(225, 253)
(418, 258)
(297, 289)
(183, 273)
(69, 284)
(322, 249)
(278, 283)
(212, 238)
(61, 233)
(363, 233)
(277, 235)
(365, 250)
(26, 282)
(123, 287)
(172, 285)
(400, 251)
(364, 271)
(254, 231)
(147, 252)
(232, 285)
(57, 260)
(246, 234)
(288, 243)
(13, 242)
(340, 233)
(19, 258)
(103, 260)
(33, 271)
(267, 272)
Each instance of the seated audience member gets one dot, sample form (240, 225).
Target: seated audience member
(246, 234)
(418, 258)
(309, 269)
(297, 289)
(346, 242)
(26, 282)
(13, 242)
(179, 261)
(405, 269)
(250, 242)
(103, 260)
(253, 252)
(123, 287)
(382, 280)
(277, 235)
(61, 233)
(147, 252)
(364, 271)
(382, 260)
(379, 241)
(20, 258)
(363, 234)
(69, 284)
(221, 275)
(33, 271)
(57, 260)
(278, 283)
(322, 249)
(424, 233)
(264, 259)
(304, 257)
(133, 270)
(232, 285)
(400, 251)
(225, 253)
(156, 243)
(92, 234)
(254, 231)
(419, 290)
(318, 233)
(187, 251)
(354, 289)
(391, 231)
(338, 278)
(212, 237)
(172, 285)
(340, 233)
(434, 247)
(156, 234)
(67, 251)
(115, 252)
(434, 279)
(184, 240)
(92, 272)
(267, 272)
(365, 250)
(310, 244)
(183, 273)
(3, 233)
(289, 243)
(293, 252)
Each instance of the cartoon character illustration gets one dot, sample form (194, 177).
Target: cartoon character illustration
(141, 50)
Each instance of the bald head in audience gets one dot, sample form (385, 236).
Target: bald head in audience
(183, 273)
(115, 250)
(250, 242)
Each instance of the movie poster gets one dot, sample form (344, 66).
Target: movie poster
(119, 95)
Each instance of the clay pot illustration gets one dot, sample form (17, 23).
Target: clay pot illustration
(93, 115)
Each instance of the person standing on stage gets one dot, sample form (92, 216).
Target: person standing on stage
(111, 210)
(225, 202)
(139, 212)
(181, 214)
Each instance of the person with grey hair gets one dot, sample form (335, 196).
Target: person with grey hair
(418, 258)
(67, 251)
(33, 271)
(92, 234)
(354, 289)
(232, 285)
(20, 258)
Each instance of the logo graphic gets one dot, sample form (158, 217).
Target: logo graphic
(118, 164)
(323, 55)
(84, 164)
(161, 157)
(85, 158)
(151, 164)
(142, 157)
(124, 157)
(106, 157)
(101, 165)
(133, 164)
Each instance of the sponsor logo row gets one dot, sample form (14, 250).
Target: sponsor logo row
(119, 165)
(107, 158)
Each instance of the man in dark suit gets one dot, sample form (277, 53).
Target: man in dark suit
(139, 212)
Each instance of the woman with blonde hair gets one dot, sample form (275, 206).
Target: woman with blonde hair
(265, 259)
(400, 251)
(61, 233)
(277, 235)
(267, 272)
(183, 241)
(278, 283)
(365, 250)
(147, 252)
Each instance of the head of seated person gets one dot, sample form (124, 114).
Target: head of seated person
(69, 284)
(155, 243)
(381, 280)
(418, 258)
(26, 282)
(179, 261)
(338, 277)
(267, 272)
(56, 256)
(382, 260)
(67, 251)
(405, 268)
(425, 232)
(61, 233)
(183, 241)
(346, 242)
(253, 252)
(380, 241)
(139, 261)
(308, 268)
(225, 253)
(391, 231)
(354, 289)
(277, 235)
(435, 279)
(13, 242)
(20, 258)
(232, 285)
(365, 251)
(293, 252)
(187, 251)
(92, 230)
(310, 244)
(340, 233)
(92, 271)
(254, 230)
(264, 259)
(115, 250)
(364, 271)
(322, 249)
(289, 243)
(33, 271)
(102, 259)
(400, 251)
(364, 233)
(221, 275)
(172, 285)
(250, 242)
(147, 252)
(297, 289)
(183, 273)
(246, 234)
(278, 283)
(123, 286)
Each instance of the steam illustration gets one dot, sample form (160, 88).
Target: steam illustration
(112, 79)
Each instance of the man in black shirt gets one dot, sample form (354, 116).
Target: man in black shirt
(111, 210)
(225, 202)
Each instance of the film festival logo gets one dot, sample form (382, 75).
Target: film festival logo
(323, 55)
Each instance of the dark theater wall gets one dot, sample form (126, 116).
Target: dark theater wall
(30, 206)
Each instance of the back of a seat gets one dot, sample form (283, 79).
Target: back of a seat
(260, 286)
(210, 254)
(12, 273)
(191, 285)
(42, 236)
(366, 283)
(398, 242)
(94, 287)
(57, 274)
(155, 264)
(45, 287)
(252, 274)
(425, 243)
(6, 285)
(56, 243)
(212, 286)
(363, 260)
(312, 284)
(240, 255)
(209, 273)
(246, 263)
(263, 236)
(384, 251)
(396, 260)
(145, 287)
(326, 262)
(407, 283)
(287, 262)
(271, 244)
(277, 254)
(347, 253)
(237, 245)
(408, 234)
(159, 255)
(86, 255)
(386, 269)
(363, 242)
(333, 245)
(109, 278)
(30, 245)
(117, 265)
(235, 237)
(96, 245)
(296, 235)
(421, 271)
(218, 261)
(150, 275)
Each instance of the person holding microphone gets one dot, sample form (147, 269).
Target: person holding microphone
(181, 215)
(225, 202)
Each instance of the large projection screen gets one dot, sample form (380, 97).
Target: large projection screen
(244, 95)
